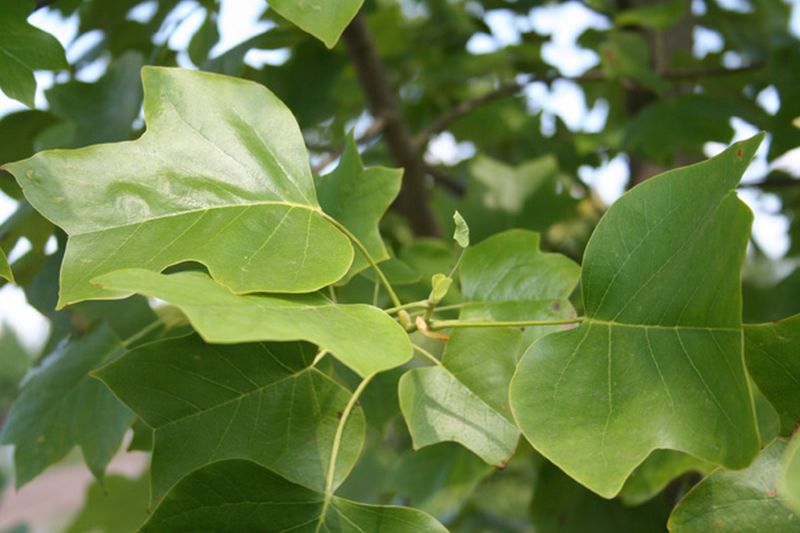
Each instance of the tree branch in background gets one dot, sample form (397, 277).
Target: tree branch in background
(444, 180)
(412, 201)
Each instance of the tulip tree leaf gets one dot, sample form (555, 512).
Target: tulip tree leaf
(655, 473)
(772, 352)
(247, 401)
(790, 476)
(324, 19)
(5, 270)
(236, 495)
(119, 504)
(659, 362)
(220, 177)
(358, 197)
(361, 336)
(23, 49)
(438, 408)
(743, 501)
(507, 277)
(61, 406)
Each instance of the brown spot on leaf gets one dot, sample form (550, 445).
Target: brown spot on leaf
(556, 306)
(739, 153)
(772, 493)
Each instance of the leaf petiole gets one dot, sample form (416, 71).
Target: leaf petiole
(445, 324)
(428, 355)
(361, 248)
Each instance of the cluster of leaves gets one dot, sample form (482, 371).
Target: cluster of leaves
(311, 367)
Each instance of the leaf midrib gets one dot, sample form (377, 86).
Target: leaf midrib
(292, 205)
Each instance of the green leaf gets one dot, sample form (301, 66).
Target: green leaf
(358, 197)
(461, 233)
(508, 187)
(771, 352)
(324, 19)
(658, 363)
(437, 408)
(118, 505)
(562, 506)
(5, 269)
(743, 501)
(103, 111)
(250, 401)
(438, 479)
(361, 336)
(23, 49)
(60, 406)
(232, 496)
(626, 54)
(440, 286)
(221, 177)
(789, 483)
(507, 277)
(656, 472)
(658, 16)
(204, 39)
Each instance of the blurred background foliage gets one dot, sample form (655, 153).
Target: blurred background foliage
(520, 114)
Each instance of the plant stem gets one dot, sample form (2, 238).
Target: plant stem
(444, 324)
(149, 328)
(319, 356)
(337, 441)
(361, 248)
(421, 304)
(427, 355)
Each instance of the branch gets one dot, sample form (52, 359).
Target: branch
(446, 181)
(464, 108)
(412, 201)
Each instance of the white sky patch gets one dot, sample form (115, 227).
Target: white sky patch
(609, 179)
(239, 21)
(769, 100)
(443, 149)
(706, 41)
(31, 327)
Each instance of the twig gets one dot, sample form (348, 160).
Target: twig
(412, 201)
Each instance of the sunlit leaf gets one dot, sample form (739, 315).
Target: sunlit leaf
(5, 269)
(361, 336)
(324, 19)
(220, 177)
(789, 483)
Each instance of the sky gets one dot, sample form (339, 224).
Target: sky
(239, 21)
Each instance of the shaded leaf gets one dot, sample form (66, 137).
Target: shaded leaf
(250, 401)
(361, 336)
(220, 177)
(772, 353)
(103, 111)
(60, 406)
(507, 277)
(663, 335)
(438, 479)
(5, 269)
(119, 505)
(242, 496)
(23, 49)
(657, 471)
(358, 197)
(324, 19)
(204, 39)
(742, 501)
(789, 483)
